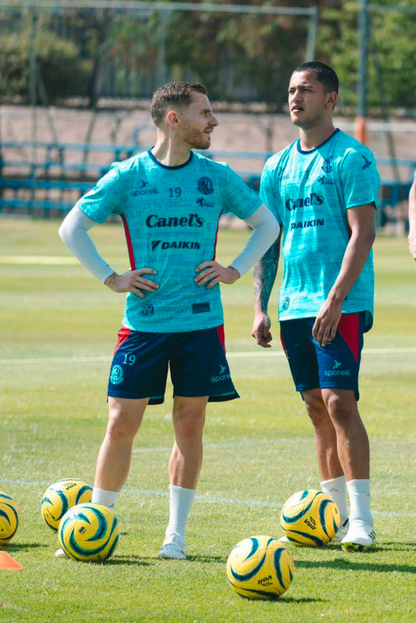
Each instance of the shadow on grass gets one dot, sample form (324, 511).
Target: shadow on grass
(342, 564)
(137, 561)
(21, 547)
(301, 600)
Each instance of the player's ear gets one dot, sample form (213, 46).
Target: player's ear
(172, 118)
(331, 99)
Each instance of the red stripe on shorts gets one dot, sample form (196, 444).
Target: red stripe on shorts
(123, 334)
(221, 335)
(348, 328)
(129, 243)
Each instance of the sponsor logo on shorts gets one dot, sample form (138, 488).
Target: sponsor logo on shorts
(205, 186)
(336, 372)
(147, 310)
(117, 375)
(181, 244)
(223, 375)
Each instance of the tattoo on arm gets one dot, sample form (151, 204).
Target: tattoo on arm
(265, 274)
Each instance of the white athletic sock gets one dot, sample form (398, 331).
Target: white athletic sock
(359, 493)
(105, 498)
(336, 490)
(180, 502)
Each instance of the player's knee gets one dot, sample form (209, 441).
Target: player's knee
(188, 423)
(340, 410)
(119, 428)
(317, 411)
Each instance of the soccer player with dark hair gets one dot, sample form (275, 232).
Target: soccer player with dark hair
(323, 189)
(170, 200)
(412, 219)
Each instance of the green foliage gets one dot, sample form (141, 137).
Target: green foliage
(58, 64)
(391, 52)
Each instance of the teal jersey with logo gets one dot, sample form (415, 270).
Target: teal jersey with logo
(171, 217)
(310, 192)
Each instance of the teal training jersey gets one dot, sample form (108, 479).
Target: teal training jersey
(171, 217)
(310, 192)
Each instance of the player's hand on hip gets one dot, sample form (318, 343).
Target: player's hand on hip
(261, 330)
(412, 246)
(326, 324)
(133, 281)
(213, 273)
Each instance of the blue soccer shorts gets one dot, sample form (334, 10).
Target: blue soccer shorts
(316, 367)
(197, 362)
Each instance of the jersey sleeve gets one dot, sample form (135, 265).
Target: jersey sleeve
(360, 179)
(239, 198)
(268, 191)
(105, 198)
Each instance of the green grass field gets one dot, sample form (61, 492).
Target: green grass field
(58, 329)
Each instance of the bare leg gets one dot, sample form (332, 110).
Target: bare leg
(352, 440)
(325, 435)
(186, 458)
(114, 458)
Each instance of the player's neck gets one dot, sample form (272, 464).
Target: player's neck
(310, 138)
(169, 153)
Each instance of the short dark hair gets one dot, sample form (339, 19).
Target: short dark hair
(173, 95)
(324, 74)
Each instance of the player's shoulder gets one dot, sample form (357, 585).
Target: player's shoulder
(348, 146)
(274, 162)
(215, 166)
(132, 164)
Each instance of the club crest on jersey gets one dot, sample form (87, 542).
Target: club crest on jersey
(117, 375)
(147, 310)
(205, 186)
(327, 165)
(286, 303)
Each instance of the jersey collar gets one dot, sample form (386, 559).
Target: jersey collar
(310, 151)
(163, 166)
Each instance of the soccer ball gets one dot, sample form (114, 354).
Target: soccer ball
(260, 568)
(62, 496)
(89, 532)
(310, 518)
(9, 518)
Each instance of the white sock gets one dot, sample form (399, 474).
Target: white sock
(359, 493)
(180, 502)
(105, 498)
(336, 490)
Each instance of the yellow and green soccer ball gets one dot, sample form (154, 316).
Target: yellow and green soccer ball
(62, 496)
(260, 568)
(310, 518)
(89, 532)
(9, 518)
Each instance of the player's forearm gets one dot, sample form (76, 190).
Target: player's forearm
(265, 272)
(74, 233)
(355, 257)
(265, 231)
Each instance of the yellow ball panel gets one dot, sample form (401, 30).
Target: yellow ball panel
(9, 518)
(89, 532)
(260, 568)
(62, 496)
(310, 518)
